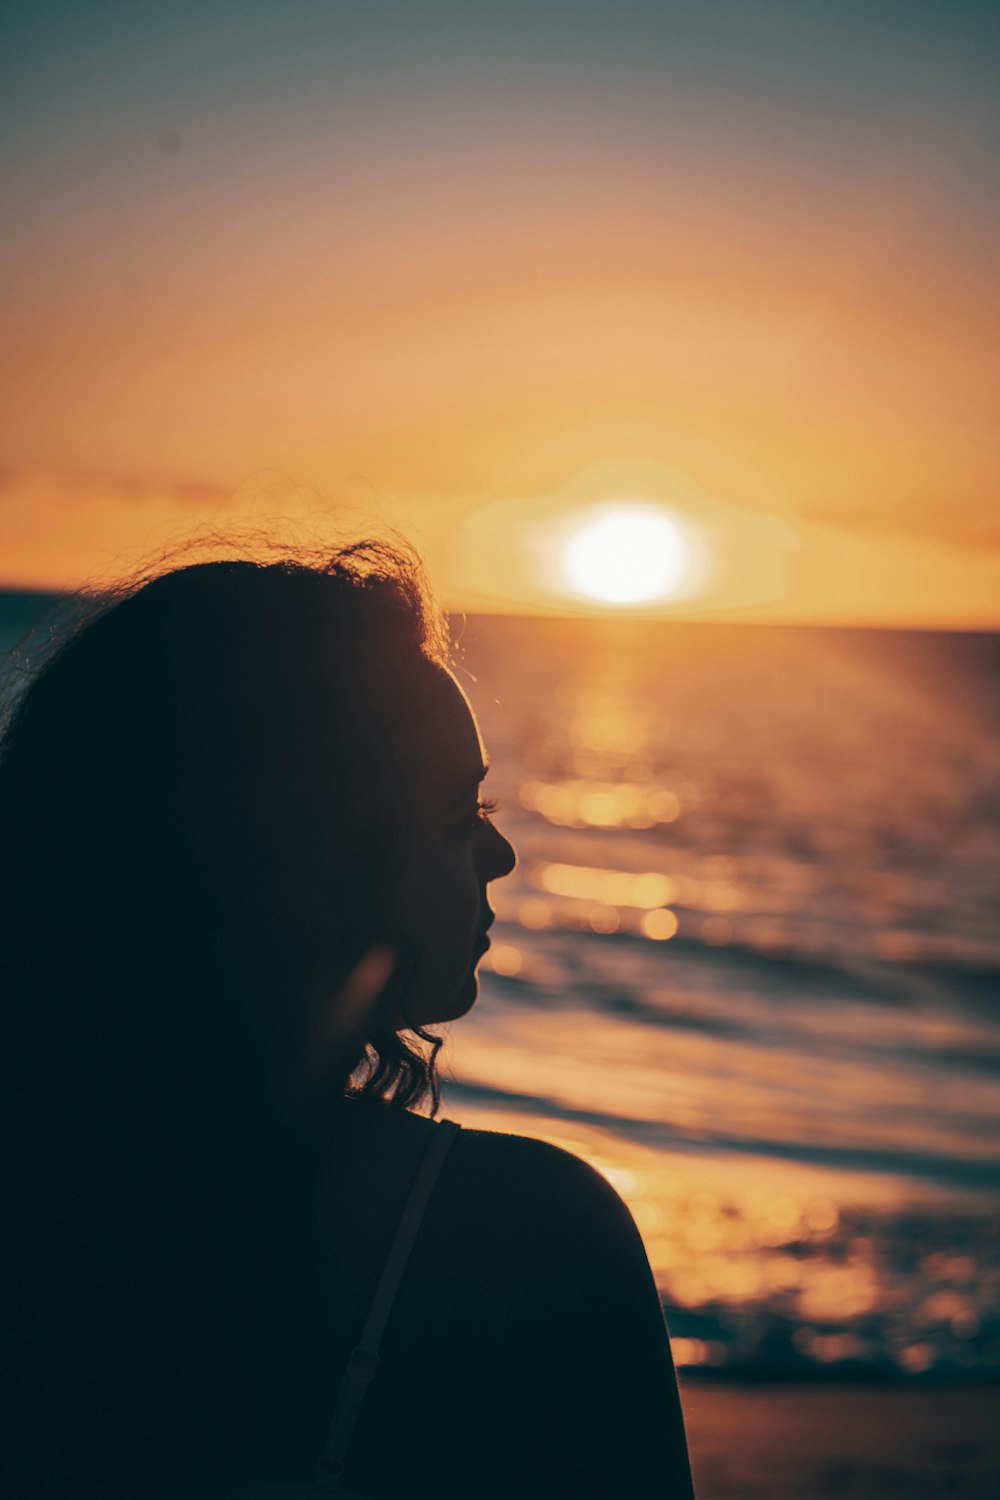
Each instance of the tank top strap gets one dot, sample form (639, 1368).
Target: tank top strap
(364, 1359)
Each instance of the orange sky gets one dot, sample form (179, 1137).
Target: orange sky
(472, 313)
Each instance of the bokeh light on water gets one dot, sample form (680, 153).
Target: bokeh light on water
(748, 968)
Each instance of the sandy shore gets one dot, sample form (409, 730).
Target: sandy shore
(858, 1442)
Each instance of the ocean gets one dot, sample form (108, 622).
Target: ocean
(749, 967)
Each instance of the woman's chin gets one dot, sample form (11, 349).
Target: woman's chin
(468, 997)
(458, 1005)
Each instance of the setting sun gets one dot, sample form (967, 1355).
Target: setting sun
(627, 555)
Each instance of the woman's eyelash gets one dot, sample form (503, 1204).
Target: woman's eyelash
(479, 817)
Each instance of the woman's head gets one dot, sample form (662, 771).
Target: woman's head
(237, 774)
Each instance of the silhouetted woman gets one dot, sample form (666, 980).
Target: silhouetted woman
(243, 867)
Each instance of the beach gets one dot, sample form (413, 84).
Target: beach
(859, 1442)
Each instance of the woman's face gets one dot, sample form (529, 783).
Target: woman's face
(443, 912)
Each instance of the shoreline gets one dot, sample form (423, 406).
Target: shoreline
(773, 1441)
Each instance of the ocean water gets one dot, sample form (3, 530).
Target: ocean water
(749, 967)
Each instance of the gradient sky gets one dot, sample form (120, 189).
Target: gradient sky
(468, 268)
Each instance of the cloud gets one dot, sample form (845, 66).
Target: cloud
(73, 486)
(932, 520)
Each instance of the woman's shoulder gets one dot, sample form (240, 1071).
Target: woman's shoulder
(553, 1203)
(501, 1199)
(526, 1165)
(529, 1281)
(493, 1157)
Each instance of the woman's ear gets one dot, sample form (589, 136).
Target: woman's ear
(391, 1008)
(345, 1018)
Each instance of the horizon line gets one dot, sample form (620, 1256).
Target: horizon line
(627, 616)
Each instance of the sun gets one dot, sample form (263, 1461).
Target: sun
(628, 554)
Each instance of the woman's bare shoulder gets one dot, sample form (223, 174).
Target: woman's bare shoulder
(530, 1283)
(501, 1200)
(546, 1195)
(527, 1161)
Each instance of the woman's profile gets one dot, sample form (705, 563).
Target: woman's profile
(244, 870)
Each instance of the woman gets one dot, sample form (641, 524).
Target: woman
(244, 867)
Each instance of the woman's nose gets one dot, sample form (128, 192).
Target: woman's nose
(500, 857)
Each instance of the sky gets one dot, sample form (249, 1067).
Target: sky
(480, 271)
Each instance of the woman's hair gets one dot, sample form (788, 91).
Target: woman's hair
(204, 812)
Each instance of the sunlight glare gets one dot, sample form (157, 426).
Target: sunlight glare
(629, 554)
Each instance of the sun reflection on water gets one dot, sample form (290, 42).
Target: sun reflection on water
(736, 953)
(601, 804)
(615, 887)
